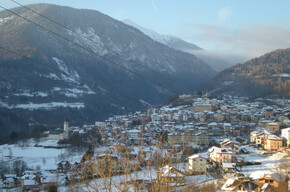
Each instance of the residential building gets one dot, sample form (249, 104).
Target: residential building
(197, 164)
(273, 142)
(229, 167)
(285, 133)
(220, 155)
(269, 112)
(272, 178)
(200, 107)
(170, 174)
(235, 185)
(134, 133)
(273, 126)
(188, 138)
(227, 127)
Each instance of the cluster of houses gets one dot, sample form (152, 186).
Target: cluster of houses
(269, 138)
(30, 181)
(200, 123)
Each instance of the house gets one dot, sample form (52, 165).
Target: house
(285, 133)
(229, 145)
(212, 125)
(266, 177)
(227, 127)
(197, 165)
(236, 131)
(76, 167)
(229, 167)
(269, 112)
(31, 185)
(63, 167)
(201, 107)
(273, 142)
(259, 137)
(48, 181)
(134, 133)
(273, 126)
(188, 138)
(145, 118)
(242, 186)
(108, 163)
(220, 155)
(170, 174)
(11, 182)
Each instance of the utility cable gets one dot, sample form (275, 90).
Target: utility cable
(75, 32)
(72, 77)
(90, 51)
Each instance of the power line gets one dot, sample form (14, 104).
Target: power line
(70, 29)
(72, 77)
(90, 51)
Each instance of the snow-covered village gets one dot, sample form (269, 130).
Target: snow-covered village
(192, 144)
(144, 96)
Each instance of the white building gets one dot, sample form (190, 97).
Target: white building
(197, 164)
(59, 134)
(285, 133)
(134, 133)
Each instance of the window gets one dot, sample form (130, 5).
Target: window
(271, 181)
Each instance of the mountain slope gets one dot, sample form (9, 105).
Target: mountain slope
(215, 61)
(40, 93)
(268, 75)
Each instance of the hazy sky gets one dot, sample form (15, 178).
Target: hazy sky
(246, 27)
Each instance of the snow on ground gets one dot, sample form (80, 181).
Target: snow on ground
(144, 174)
(47, 106)
(46, 158)
(70, 76)
(61, 65)
(76, 92)
(3, 104)
(269, 163)
(5, 19)
(34, 94)
(90, 40)
(73, 92)
(52, 76)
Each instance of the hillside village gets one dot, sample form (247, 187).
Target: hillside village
(196, 143)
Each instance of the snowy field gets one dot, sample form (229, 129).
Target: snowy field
(45, 158)
(117, 182)
(268, 163)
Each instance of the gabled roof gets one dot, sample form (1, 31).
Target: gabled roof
(195, 157)
(229, 165)
(169, 171)
(267, 174)
(30, 182)
(232, 184)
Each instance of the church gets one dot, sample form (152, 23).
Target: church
(59, 134)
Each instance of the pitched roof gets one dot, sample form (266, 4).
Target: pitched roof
(232, 184)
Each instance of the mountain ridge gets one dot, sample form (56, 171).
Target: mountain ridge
(267, 75)
(41, 94)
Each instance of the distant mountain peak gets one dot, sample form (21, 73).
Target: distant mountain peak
(169, 40)
(218, 63)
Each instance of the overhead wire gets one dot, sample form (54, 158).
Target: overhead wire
(90, 51)
(89, 39)
(72, 77)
